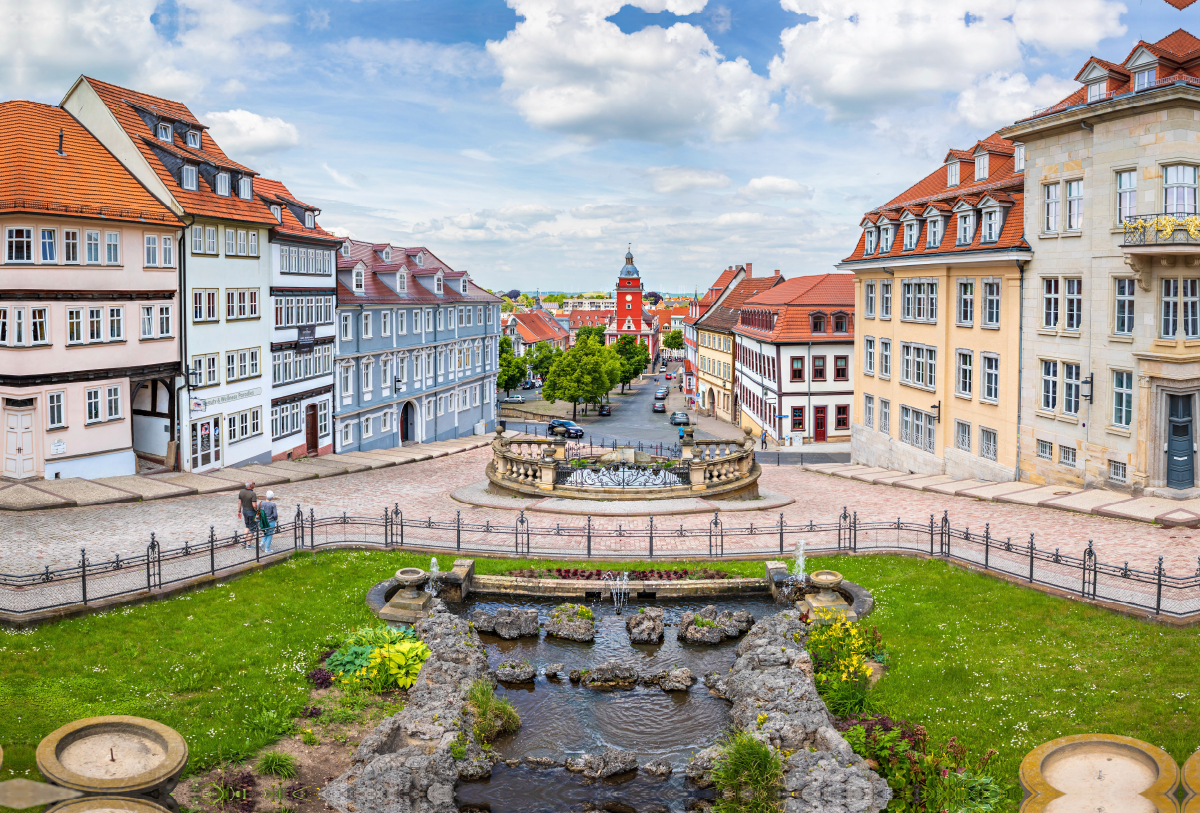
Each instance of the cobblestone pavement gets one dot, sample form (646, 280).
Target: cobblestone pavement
(30, 541)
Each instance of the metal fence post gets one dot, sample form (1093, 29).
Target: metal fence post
(854, 533)
(298, 528)
(987, 542)
(945, 540)
(212, 551)
(149, 551)
(589, 536)
(83, 570)
(1031, 558)
(401, 513)
(651, 536)
(781, 533)
(1158, 571)
(1089, 556)
(931, 534)
(458, 530)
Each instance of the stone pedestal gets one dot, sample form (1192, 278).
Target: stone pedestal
(411, 603)
(828, 599)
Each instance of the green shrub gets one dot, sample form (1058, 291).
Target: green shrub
(571, 612)
(701, 621)
(748, 775)
(349, 660)
(493, 716)
(378, 636)
(277, 763)
(458, 748)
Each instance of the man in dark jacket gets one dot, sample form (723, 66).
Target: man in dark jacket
(248, 508)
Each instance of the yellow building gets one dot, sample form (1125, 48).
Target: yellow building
(716, 388)
(938, 283)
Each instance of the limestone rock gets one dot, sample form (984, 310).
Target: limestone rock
(575, 676)
(829, 782)
(677, 680)
(507, 623)
(408, 781)
(542, 762)
(515, 673)
(646, 626)
(699, 628)
(554, 670)
(599, 766)
(611, 675)
(699, 769)
(483, 621)
(657, 767)
(573, 622)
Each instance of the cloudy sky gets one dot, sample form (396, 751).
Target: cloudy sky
(529, 141)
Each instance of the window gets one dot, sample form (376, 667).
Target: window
(885, 358)
(1070, 389)
(164, 132)
(366, 324)
(358, 279)
(842, 416)
(966, 228)
(1050, 223)
(919, 301)
(1143, 79)
(245, 188)
(277, 212)
(368, 367)
(1049, 385)
(797, 419)
(113, 402)
(241, 303)
(991, 226)
(193, 139)
(1074, 303)
(164, 320)
(885, 416)
(241, 243)
(933, 234)
(116, 324)
(841, 368)
(74, 326)
(966, 302)
(347, 432)
(1050, 302)
(1170, 308)
(19, 326)
(991, 378)
(37, 326)
(868, 411)
(962, 436)
(1180, 181)
(1095, 90)
(818, 323)
(204, 305)
(952, 174)
(92, 399)
(911, 229)
(1074, 205)
(1019, 158)
(869, 356)
(230, 242)
(168, 252)
(147, 322)
(92, 247)
(112, 247)
(323, 418)
(1126, 195)
(71, 246)
(981, 167)
(991, 304)
(885, 239)
(917, 428)
(1116, 470)
(151, 251)
(309, 220)
(987, 443)
(1123, 320)
(885, 300)
(19, 246)
(346, 329)
(1191, 308)
(385, 323)
(54, 410)
(869, 245)
(797, 368)
(48, 245)
(869, 299)
(1122, 398)
(818, 368)
(207, 366)
(189, 177)
(839, 326)
(918, 365)
(223, 184)
(1045, 449)
(965, 365)
(210, 239)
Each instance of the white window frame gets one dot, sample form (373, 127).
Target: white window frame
(1179, 189)
(1066, 455)
(1050, 207)
(885, 358)
(1123, 306)
(952, 174)
(1126, 195)
(222, 185)
(1122, 398)
(966, 303)
(964, 373)
(869, 300)
(981, 167)
(868, 355)
(990, 392)
(1073, 304)
(1050, 303)
(189, 177)
(1144, 79)
(1074, 205)
(1048, 401)
(885, 299)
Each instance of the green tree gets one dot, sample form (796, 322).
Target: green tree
(674, 340)
(580, 375)
(526, 300)
(506, 305)
(596, 332)
(541, 358)
(634, 357)
(512, 367)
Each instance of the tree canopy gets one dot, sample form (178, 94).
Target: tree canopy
(633, 355)
(512, 367)
(595, 332)
(541, 358)
(673, 340)
(583, 374)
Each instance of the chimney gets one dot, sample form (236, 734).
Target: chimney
(776, 272)
(749, 269)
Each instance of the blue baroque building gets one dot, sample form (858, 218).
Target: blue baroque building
(417, 349)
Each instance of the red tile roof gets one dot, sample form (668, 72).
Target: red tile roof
(793, 303)
(724, 317)
(713, 293)
(205, 202)
(85, 180)
(375, 290)
(274, 192)
(589, 318)
(539, 326)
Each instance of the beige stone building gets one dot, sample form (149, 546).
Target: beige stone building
(938, 273)
(1111, 339)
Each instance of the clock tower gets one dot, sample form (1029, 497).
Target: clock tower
(629, 298)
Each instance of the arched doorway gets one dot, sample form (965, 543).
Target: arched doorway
(408, 423)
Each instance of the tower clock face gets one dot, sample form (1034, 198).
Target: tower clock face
(628, 297)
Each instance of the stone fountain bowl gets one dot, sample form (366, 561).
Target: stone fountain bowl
(107, 804)
(1099, 771)
(411, 577)
(825, 579)
(113, 755)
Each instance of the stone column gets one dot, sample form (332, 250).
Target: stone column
(1142, 438)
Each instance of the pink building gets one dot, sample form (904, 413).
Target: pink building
(89, 312)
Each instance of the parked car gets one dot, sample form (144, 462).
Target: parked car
(660, 394)
(574, 430)
(659, 406)
(514, 399)
(667, 376)
(679, 419)
(604, 411)
(528, 385)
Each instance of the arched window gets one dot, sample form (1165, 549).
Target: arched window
(839, 323)
(818, 323)
(358, 279)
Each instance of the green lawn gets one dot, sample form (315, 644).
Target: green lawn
(997, 665)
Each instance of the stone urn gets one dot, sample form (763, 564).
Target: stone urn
(410, 603)
(827, 600)
(115, 755)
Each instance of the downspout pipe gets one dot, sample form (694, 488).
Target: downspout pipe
(1020, 360)
(181, 251)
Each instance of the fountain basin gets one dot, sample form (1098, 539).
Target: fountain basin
(1083, 773)
(409, 604)
(107, 804)
(828, 599)
(113, 755)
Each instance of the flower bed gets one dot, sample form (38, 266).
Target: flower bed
(375, 659)
(578, 574)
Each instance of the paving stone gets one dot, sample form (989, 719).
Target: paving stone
(84, 492)
(919, 483)
(1034, 496)
(203, 483)
(1086, 501)
(146, 487)
(822, 467)
(261, 478)
(1178, 517)
(955, 486)
(1144, 509)
(21, 497)
(369, 461)
(891, 477)
(277, 470)
(868, 473)
(994, 490)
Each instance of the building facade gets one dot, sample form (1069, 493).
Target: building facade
(630, 317)
(938, 276)
(1112, 299)
(794, 360)
(224, 267)
(697, 307)
(89, 306)
(531, 328)
(416, 351)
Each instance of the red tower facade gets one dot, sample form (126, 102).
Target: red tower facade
(630, 316)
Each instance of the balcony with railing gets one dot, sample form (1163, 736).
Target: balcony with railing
(1165, 231)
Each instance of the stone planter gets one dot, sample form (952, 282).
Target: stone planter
(107, 804)
(1098, 771)
(116, 755)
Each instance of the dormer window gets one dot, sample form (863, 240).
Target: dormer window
(421, 261)
(464, 285)
(981, 167)
(966, 228)
(910, 235)
(387, 254)
(358, 279)
(1143, 79)
(437, 284)
(277, 212)
(245, 188)
(870, 244)
(839, 323)
(193, 139)
(991, 226)
(345, 249)
(952, 174)
(309, 220)
(1019, 158)
(1095, 91)
(164, 133)
(188, 177)
(818, 323)
(401, 280)
(223, 184)
(933, 236)
(885, 239)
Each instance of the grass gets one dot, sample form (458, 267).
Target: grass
(277, 763)
(752, 771)
(995, 664)
(493, 716)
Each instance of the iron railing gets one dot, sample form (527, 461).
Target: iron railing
(160, 569)
(1163, 229)
(621, 476)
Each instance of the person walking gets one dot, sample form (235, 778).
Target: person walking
(764, 441)
(248, 508)
(268, 518)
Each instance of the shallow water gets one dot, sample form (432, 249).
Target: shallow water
(555, 790)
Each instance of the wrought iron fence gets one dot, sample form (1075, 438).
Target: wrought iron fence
(621, 476)
(160, 569)
(1162, 229)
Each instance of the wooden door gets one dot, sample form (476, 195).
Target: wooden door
(310, 430)
(18, 444)
(819, 424)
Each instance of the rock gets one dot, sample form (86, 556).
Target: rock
(611, 675)
(554, 670)
(657, 767)
(515, 673)
(645, 626)
(827, 782)
(599, 766)
(573, 622)
(408, 781)
(512, 763)
(733, 624)
(575, 676)
(677, 680)
(507, 623)
(483, 621)
(542, 762)
(478, 768)
(704, 631)
(699, 769)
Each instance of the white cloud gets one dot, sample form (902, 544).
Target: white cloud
(243, 132)
(526, 213)
(318, 19)
(478, 155)
(569, 70)
(772, 186)
(339, 178)
(672, 180)
(862, 56)
(1002, 98)
(722, 19)
(408, 56)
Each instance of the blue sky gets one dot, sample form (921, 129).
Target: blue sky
(530, 140)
